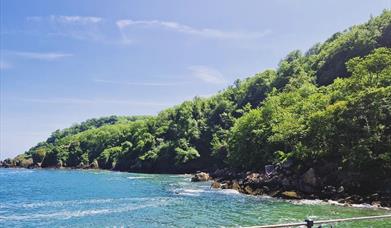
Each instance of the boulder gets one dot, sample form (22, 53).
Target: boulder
(235, 185)
(309, 177)
(285, 182)
(216, 184)
(224, 186)
(202, 176)
(270, 169)
(248, 190)
(94, 165)
(290, 195)
(341, 189)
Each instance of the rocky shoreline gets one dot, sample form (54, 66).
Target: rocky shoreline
(274, 181)
(291, 187)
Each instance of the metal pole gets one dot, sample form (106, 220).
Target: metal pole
(310, 223)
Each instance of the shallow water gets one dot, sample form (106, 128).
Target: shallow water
(86, 198)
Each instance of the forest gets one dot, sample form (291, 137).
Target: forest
(329, 107)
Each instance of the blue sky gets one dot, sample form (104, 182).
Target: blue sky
(63, 62)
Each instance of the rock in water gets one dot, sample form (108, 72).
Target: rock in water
(216, 184)
(202, 176)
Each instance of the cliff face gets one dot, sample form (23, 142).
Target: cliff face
(328, 109)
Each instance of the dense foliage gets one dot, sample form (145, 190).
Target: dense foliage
(330, 106)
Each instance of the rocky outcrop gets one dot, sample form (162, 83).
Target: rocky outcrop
(94, 165)
(287, 183)
(201, 176)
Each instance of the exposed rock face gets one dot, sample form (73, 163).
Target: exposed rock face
(94, 165)
(309, 177)
(202, 176)
(293, 184)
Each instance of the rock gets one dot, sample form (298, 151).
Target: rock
(94, 165)
(253, 177)
(290, 195)
(285, 182)
(216, 184)
(307, 189)
(59, 164)
(251, 191)
(270, 169)
(224, 186)
(287, 164)
(235, 185)
(329, 191)
(202, 176)
(376, 203)
(309, 177)
(81, 166)
(247, 189)
(274, 193)
(341, 189)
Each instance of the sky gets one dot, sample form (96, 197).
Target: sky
(66, 61)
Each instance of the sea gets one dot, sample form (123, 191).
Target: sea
(94, 198)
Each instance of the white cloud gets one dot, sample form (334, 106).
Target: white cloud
(77, 27)
(207, 74)
(181, 28)
(67, 19)
(41, 55)
(76, 19)
(157, 84)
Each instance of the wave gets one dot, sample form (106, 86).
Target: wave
(228, 191)
(67, 214)
(81, 202)
(135, 178)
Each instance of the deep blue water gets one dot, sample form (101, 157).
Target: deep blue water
(87, 198)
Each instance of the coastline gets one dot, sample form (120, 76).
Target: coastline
(241, 186)
(293, 188)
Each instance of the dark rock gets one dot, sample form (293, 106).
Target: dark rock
(340, 190)
(329, 191)
(309, 177)
(270, 169)
(285, 182)
(247, 189)
(287, 164)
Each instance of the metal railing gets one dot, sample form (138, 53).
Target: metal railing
(310, 223)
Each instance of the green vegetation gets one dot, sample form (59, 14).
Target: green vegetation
(328, 107)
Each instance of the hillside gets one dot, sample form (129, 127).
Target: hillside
(328, 109)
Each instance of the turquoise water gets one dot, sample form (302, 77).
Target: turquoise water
(78, 198)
